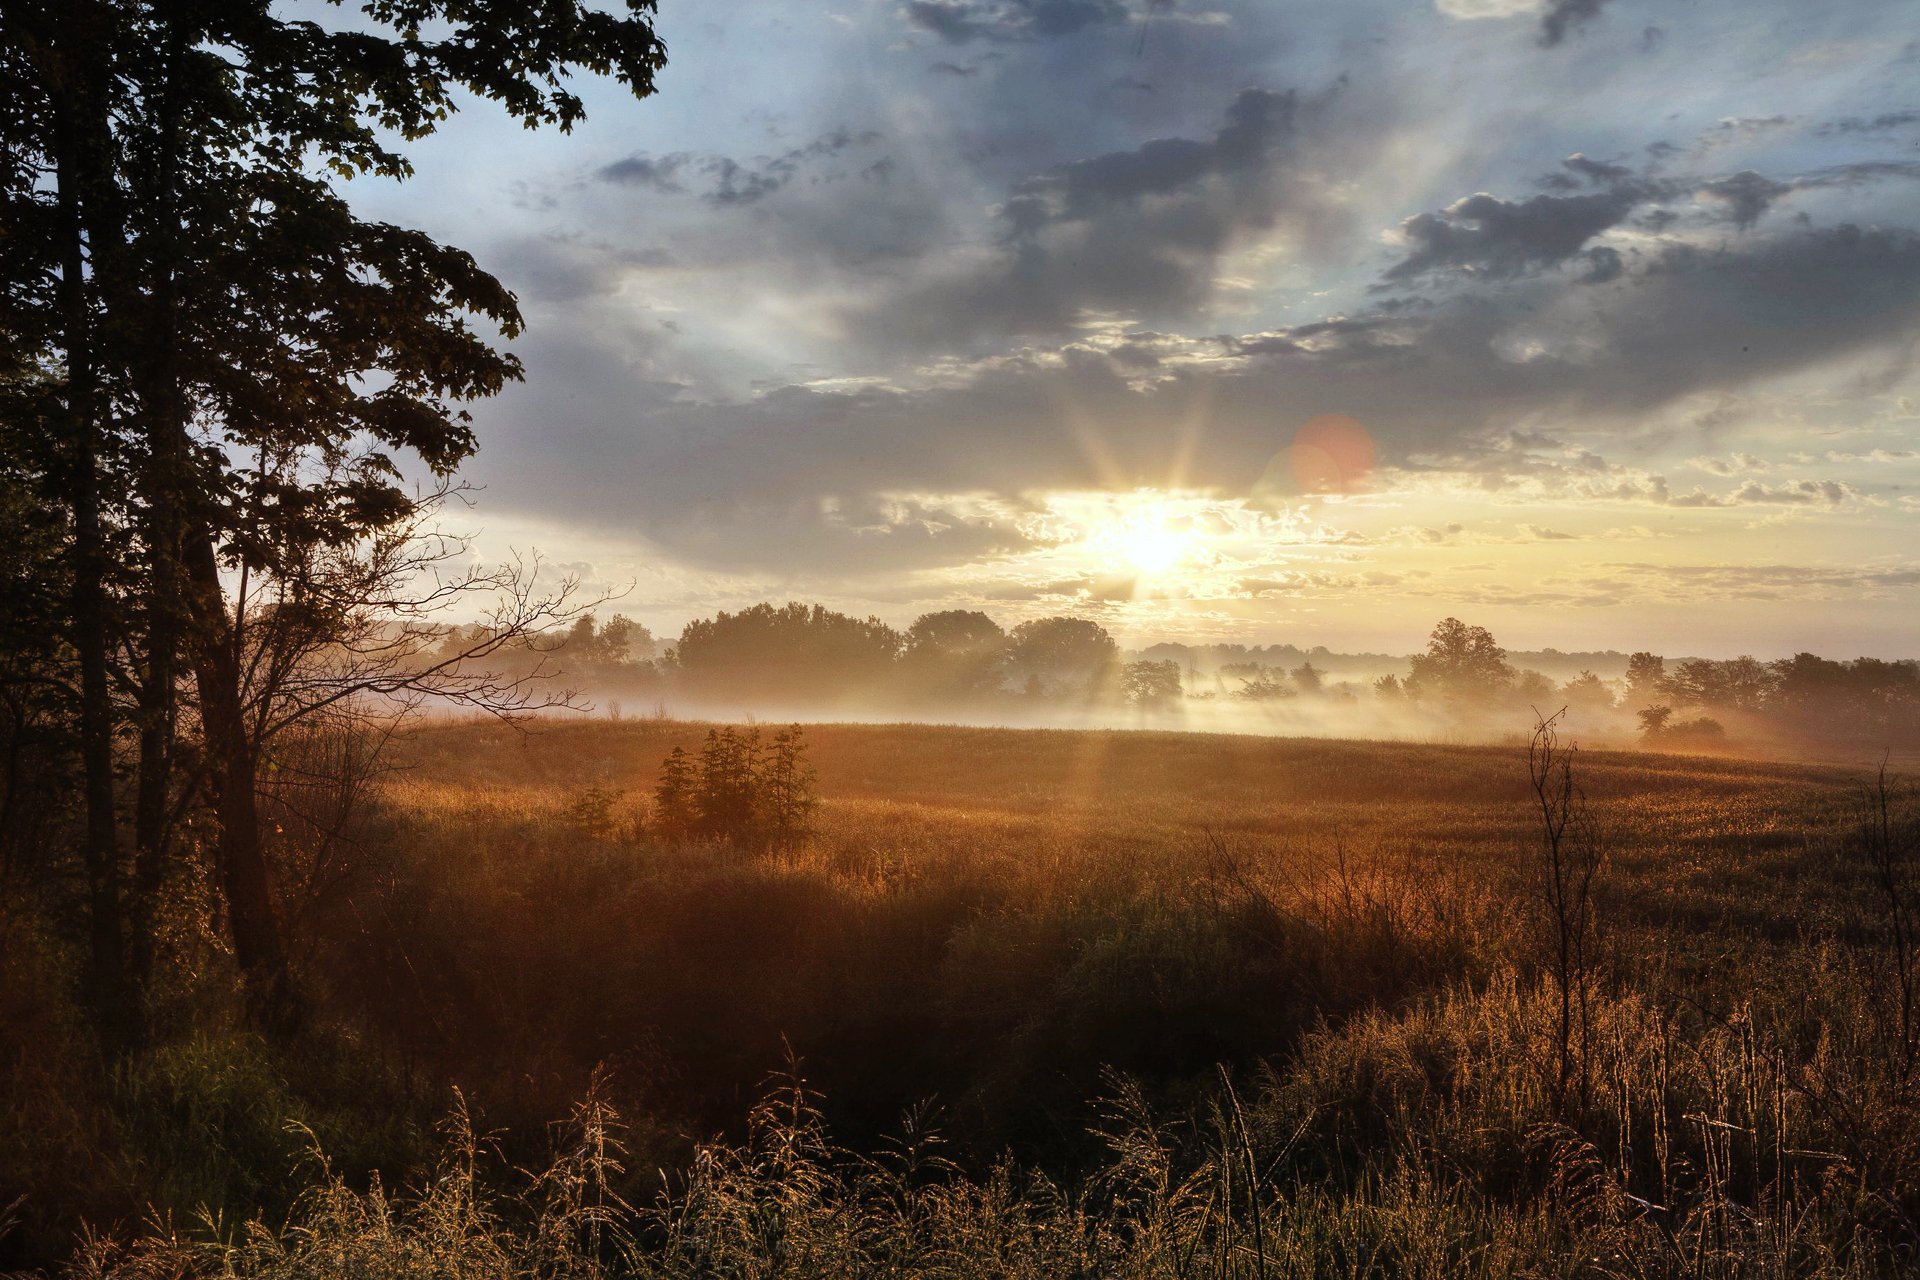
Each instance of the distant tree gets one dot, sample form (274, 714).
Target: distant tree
(1387, 688)
(1306, 678)
(1659, 728)
(1462, 663)
(1867, 697)
(1738, 684)
(1259, 683)
(624, 640)
(675, 811)
(1065, 655)
(1535, 689)
(724, 798)
(1646, 680)
(793, 650)
(1151, 684)
(955, 651)
(740, 789)
(954, 631)
(1587, 692)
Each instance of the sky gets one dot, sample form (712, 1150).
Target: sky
(1590, 321)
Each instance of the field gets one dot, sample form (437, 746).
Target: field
(1158, 1004)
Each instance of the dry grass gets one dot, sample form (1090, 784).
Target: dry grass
(1259, 1007)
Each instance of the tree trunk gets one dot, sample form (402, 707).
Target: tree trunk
(78, 175)
(238, 853)
(164, 414)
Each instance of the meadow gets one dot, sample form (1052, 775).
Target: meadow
(1048, 1003)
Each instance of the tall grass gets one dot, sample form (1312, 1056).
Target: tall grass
(1150, 1006)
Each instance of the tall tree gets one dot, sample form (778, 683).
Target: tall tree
(277, 354)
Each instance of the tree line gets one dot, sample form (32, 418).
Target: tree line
(807, 652)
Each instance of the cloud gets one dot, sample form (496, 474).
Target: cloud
(1796, 493)
(1139, 231)
(731, 182)
(658, 173)
(965, 21)
(797, 475)
(1885, 122)
(1562, 17)
(1746, 194)
(1487, 237)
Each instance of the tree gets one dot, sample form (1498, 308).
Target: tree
(955, 651)
(1062, 654)
(740, 789)
(1740, 684)
(1307, 678)
(674, 808)
(1587, 692)
(238, 350)
(1151, 684)
(1534, 688)
(1462, 663)
(1646, 681)
(795, 650)
(1259, 682)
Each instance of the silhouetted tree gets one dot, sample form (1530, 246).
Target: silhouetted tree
(1738, 684)
(238, 351)
(1461, 663)
(675, 810)
(1646, 680)
(958, 651)
(1151, 684)
(1534, 689)
(1065, 655)
(1587, 692)
(1306, 678)
(795, 650)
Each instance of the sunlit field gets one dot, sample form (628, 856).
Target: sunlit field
(1133, 997)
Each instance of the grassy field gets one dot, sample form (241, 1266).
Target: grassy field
(1142, 1003)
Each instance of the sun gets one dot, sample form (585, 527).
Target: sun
(1149, 540)
(1156, 549)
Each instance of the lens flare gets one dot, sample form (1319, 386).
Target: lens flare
(1331, 454)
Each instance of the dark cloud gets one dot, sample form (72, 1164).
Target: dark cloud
(1885, 122)
(803, 475)
(1746, 194)
(659, 173)
(1490, 238)
(731, 182)
(1137, 230)
(1564, 16)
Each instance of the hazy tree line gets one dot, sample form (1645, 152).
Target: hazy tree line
(216, 381)
(811, 654)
